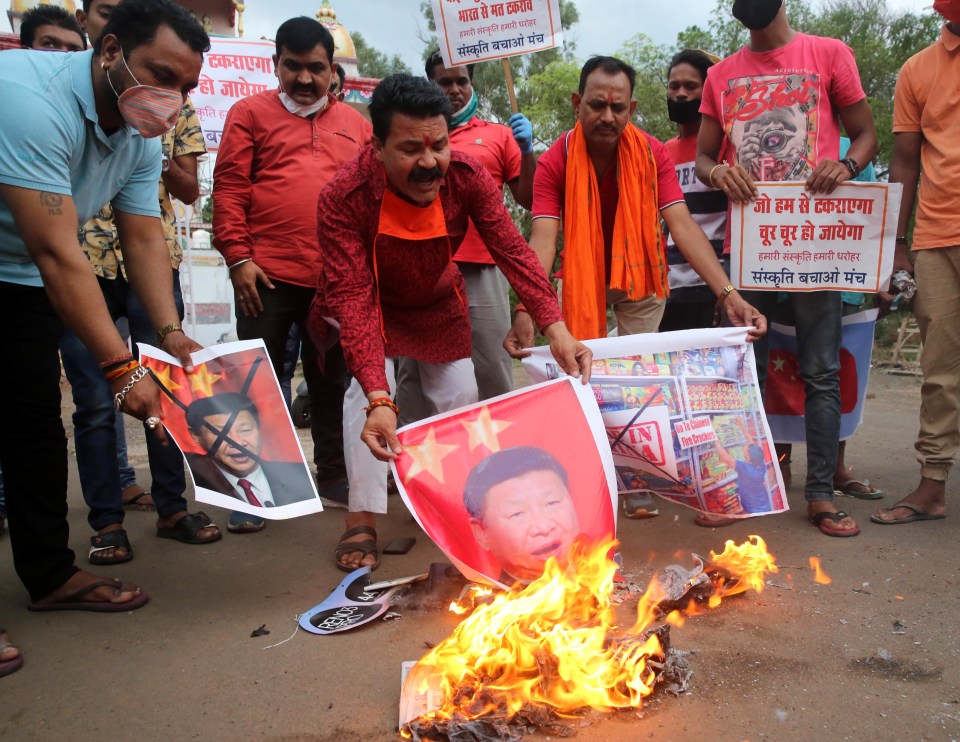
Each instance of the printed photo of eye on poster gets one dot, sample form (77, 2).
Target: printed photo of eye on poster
(230, 421)
(503, 485)
(683, 418)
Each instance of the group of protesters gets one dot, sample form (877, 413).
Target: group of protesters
(388, 245)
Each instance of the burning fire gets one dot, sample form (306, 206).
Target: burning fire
(556, 644)
(819, 576)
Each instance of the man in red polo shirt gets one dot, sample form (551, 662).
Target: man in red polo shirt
(279, 149)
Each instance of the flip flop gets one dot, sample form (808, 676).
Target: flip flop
(639, 506)
(859, 488)
(136, 497)
(820, 521)
(9, 666)
(918, 514)
(75, 602)
(368, 546)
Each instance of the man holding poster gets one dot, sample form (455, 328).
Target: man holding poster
(785, 126)
(390, 224)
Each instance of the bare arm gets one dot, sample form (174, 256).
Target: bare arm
(733, 180)
(47, 224)
(858, 122)
(543, 242)
(905, 169)
(522, 187)
(180, 178)
(696, 249)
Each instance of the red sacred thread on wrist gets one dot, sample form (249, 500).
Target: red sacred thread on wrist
(115, 362)
(382, 402)
(123, 370)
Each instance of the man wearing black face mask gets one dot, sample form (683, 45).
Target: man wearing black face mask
(691, 302)
(775, 107)
(279, 149)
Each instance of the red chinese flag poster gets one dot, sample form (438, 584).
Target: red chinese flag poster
(230, 421)
(503, 485)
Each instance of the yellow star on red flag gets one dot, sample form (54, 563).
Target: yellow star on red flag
(428, 457)
(163, 376)
(483, 430)
(202, 381)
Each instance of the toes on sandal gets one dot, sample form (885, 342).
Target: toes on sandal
(75, 601)
(368, 546)
(824, 520)
(187, 529)
(136, 498)
(102, 542)
(11, 665)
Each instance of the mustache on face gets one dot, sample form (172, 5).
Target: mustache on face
(423, 174)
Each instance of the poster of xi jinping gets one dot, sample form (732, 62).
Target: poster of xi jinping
(504, 485)
(229, 419)
(683, 418)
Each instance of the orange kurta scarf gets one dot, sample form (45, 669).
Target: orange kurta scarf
(637, 262)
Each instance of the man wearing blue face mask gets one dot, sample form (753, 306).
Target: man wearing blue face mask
(279, 148)
(68, 143)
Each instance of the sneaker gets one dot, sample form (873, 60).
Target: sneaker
(245, 523)
(640, 505)
(334, 495)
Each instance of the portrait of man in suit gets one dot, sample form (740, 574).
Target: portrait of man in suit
(227, 427)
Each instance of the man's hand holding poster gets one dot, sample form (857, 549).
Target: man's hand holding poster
(790, 240)
(503, 485)
(229, 419)
(683, 417)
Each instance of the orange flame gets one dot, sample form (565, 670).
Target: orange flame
(556, 643)
(819, 576)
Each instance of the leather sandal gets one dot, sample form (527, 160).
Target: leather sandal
(102, 542)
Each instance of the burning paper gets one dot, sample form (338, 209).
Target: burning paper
(555, 647)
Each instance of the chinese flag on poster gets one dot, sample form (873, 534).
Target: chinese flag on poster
(784, 393)
(557, 422)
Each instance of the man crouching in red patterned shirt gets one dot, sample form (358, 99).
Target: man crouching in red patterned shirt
(389, 224)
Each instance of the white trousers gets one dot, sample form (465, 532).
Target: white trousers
(446, 386)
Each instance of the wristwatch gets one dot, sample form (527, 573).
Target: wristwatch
(851, 165)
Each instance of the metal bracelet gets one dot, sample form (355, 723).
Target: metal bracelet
(121, 395)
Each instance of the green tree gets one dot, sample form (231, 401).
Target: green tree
(373, 62)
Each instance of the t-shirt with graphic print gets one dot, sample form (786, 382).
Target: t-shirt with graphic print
(779, 109)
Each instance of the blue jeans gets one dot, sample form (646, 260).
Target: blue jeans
(817, 316)
(94, 421)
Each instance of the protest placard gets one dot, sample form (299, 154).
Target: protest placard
(473, 31)
(684, 420)
(791, 240)
(499, 491)
(232, 69)
(230, 421)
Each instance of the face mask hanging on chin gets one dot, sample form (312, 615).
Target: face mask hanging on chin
(299, 109)
(150, 110)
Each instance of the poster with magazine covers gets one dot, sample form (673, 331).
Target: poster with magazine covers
(683, 418)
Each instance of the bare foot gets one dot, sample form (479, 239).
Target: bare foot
(827, 506)
(357, 559)
(7, 650)
(103, 594)
(929, 496)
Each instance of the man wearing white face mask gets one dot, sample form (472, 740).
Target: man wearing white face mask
(278, 150)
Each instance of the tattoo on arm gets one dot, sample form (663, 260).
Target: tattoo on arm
(53, 202)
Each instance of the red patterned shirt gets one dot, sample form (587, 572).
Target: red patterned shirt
(418, 295)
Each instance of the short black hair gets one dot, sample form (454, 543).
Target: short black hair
(342, 76)
(502, 466)
(695, 58)
(225, 403)
(409, 95)
(610, 65)
(301, 35)
(47, 15)
(135, 22)
(436, 58)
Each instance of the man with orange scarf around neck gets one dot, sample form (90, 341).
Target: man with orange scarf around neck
(389, 225)
(611, 183)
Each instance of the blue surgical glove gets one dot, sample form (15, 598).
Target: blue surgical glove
(522, 132)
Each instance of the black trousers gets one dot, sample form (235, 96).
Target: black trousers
(283, 306)
(33, 444)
